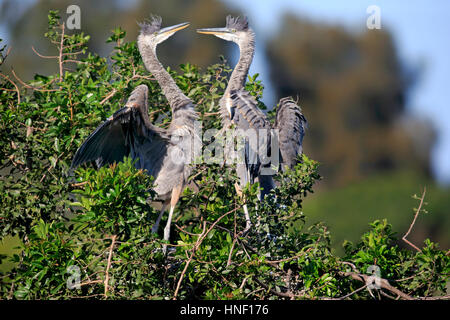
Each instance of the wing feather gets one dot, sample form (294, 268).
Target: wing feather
(245, 115)
(128, 132)
(291, 124)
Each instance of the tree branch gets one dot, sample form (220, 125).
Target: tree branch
(108, 266)
(414, 221)
(383, 283)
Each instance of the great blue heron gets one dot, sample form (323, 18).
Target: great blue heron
(238, 107)
(163, 153)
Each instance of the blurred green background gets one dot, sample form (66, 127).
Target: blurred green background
(376, 104)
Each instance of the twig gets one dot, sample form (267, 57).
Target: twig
(231, 252)
(74, 61)
(411, 277)
(414, 221)
(28, 86)
(113, 92)
(383, 283)
(109, 264)
(290, 258)
(42, 56)
(388, 295)
(90, 282)
(79, 184)
(353, 292)
(188, 262)
(11, 291)
(14, 84)
(60, 58)
(196, 246)
(280, 294)
(234, 242)
(72, 53)
(186, 232)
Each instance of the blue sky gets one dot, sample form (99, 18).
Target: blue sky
(421, 30)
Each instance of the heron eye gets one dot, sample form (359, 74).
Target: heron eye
(233, 30)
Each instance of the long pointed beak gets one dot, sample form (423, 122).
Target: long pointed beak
(175, 28)
(214, 31)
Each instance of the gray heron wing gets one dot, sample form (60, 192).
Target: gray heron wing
(291, 125)
(128, 132)
(246, 116)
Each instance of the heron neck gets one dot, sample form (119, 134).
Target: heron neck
(239, 74)
(170, 89)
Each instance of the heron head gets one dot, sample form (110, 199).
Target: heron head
(235, 30)
(152, 32)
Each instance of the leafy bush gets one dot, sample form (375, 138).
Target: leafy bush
(89, 235)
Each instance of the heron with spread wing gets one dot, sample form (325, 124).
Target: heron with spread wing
(165, 154)
(239, 108)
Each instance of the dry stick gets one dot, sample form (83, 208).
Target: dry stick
(72, 53)
(197, 245)
(290, 258)
(352, 293)
(42, 56)
(28, 86)
(414, 221)
(74, 61)
(234, 242)
(90, 282)
(186, 232)
(60, 58)
(109, 264)
(13, 83)
(383, 283)
(388, 295)
(231, 252)
(187, 264)
(409, 278)
(113, 92)
(280, 294)
(79, 184)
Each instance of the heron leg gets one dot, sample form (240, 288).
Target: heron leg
(176, 192)
(156, 225)
(248, 222)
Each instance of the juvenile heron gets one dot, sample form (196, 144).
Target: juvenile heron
(239, 108)
(164, 153)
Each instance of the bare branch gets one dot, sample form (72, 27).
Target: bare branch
(108, 266)
(383, 283)
(42, 56)
(113, 92)
(196, 246)
(28, 86)
(414, 221)
(14, 84)
(60, 57)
